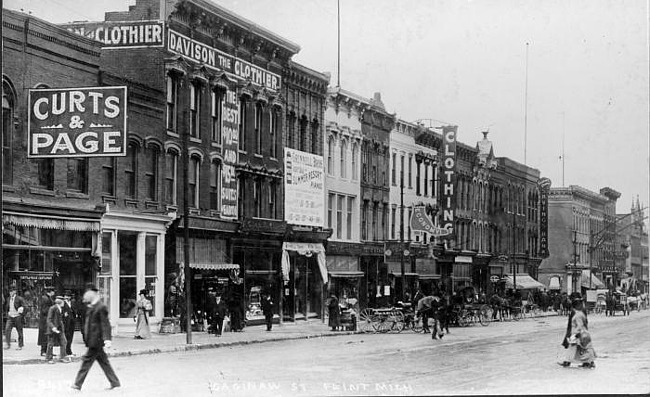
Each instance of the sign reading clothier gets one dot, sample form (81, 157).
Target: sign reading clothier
(448, 195)
(304, 188)
(215, 59)
(127, 34)
(230, 150)
(76, 122)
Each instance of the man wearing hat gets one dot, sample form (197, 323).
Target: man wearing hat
(44, 305)
(69, 316)
(15, 310)
(56, 330)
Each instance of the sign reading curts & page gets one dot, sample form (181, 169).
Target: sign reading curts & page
(304, 188)
(448, 195)
(77, 122)
(230, 150)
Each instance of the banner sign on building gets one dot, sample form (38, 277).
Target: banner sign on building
(127, 34)
(304, 188)
(420, 222)
(76, 122)
(219, 60)
(544, 187)
(448, 185)
(230, 151)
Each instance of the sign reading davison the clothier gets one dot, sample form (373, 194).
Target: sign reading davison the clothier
(76, 122)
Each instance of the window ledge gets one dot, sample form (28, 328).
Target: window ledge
(259, 156)
(77, 195)
(109, 199)
(195, 211)
(195, 140)
(151, 204)
(41, 191)
(215, 144)
(171, 208)
(172, 133)
(129, 202)
(8, 188)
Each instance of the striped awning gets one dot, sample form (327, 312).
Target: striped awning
(213, 266)
(51, 222)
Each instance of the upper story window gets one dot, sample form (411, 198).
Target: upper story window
(172, 101)
(259, 126)
(344, 155)
(216, 114)
(77, 175)
(215, 181)
(330, 156)
(393, 171)
(243, 116)
(108, 176)
(274, 129)
(426, 179)
(45, 173)
(291, 130)
(195, 110)
(193, 182)
(303, 133)
(130, 167)
(401, 170)
(151, 172)
(171, 169)
(315, 136)
(273, 192)
(417, 177)
(257, 197)
(410, 176)
(355, 154)
(8, 109)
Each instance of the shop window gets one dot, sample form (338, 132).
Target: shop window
(151, 172)
(216, 113)
(150, 269)
(215, 180)
(108, 176)
(127, 248)
(130, 168)
(171, 169)
(77, 175)
(104, 277)
(8, 109)
(45, 173)
(172, 100)
(195, 110)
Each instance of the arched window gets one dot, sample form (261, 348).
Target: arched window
(243, 124)
(152, 155)
(130, 168)
(344, 155)
(303, 133)
(8, 110)
(193, 182)
(172, 100)
(259, 126)
(274, 130)
(195, 109)
(315, 136)
(330, 156)
(171, 173)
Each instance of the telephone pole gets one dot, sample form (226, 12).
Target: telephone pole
(401, 233)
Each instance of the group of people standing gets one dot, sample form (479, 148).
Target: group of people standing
(56, 323)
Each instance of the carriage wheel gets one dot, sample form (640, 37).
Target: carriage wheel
(463, 318)
(485, 315)
(368, 320)
(416, 325)
(397, 317)
(384, 325)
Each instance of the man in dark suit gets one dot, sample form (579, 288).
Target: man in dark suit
(15, 311)
(69, 315)
(267, 310)
(97, 331)
(220, 313)
(55, 330)
(44, 305)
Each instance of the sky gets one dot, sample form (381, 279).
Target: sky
(561, 85)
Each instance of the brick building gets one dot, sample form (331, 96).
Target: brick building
(633, 237)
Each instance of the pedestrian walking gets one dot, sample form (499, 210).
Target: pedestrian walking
(15, 311)
(334, 312)
(267, 310)
(577, 339)
(44, 305)
(69, 316)
(220, 313)
(428, 307)
(56, 331)
(143, 307)
(98, 335)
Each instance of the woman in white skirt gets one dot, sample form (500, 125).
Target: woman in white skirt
(577, 339)
(143, 307)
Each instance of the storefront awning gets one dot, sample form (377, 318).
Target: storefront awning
(346, 274)
(595, 282)
(213, 266)
(306, 249)
(51, 222)
(554, 284)
(524, 281)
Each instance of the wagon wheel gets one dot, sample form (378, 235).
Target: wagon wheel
(368, 320)
(463, 318)
(416, 325)
(485, 315)
(384, 325)
(398, 321)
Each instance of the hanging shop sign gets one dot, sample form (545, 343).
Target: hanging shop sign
(420, 222)
(230, 150)
(304, 188)
(448, 185)
(545, 186)
(76, 122)
(124, 34)
(221, 61)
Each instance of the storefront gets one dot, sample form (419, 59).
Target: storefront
(376, 289)
(132, 259)
(48, 247)
(304, 274)
(429, 277)
(345, 277)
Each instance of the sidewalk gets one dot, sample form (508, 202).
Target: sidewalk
(125, 345)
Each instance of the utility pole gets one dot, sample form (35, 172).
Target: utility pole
(591, 237)
(575, 260)
(186, 231)
(401, 232)
(514, 242)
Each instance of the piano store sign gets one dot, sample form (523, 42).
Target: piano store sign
(77, 122)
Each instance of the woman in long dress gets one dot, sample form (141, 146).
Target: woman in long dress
(577, 340)
(334, 312)
(143, 306)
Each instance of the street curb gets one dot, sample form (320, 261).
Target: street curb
(192, 347)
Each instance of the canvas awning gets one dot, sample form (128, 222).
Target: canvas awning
(524, 281)
(52, 222)
(213, 266)
(554, 283)
(595, 282)
(306, 249)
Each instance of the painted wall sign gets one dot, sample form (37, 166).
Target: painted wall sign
(219, 60)
(127, 34)
(76, 122)
(304, 188)
(230, 150)
(448, 195)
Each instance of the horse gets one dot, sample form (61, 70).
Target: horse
(499, 307)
